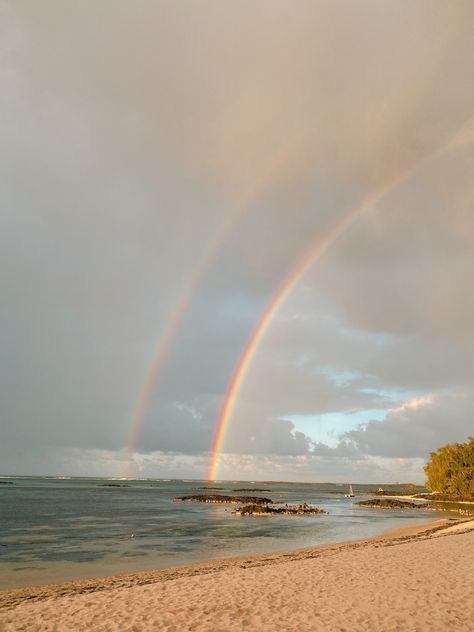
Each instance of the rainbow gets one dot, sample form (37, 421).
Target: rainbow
(315, 252)
(278, 163)
(160, 356)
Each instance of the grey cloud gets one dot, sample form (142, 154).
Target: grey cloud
(130, 139)
(321, 468)
(267, 436)
(417, 429)
(177, 427)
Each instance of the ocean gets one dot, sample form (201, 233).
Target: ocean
(58, 529)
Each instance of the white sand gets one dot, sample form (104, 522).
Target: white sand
(411, 580)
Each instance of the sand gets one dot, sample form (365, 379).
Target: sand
(411, 579)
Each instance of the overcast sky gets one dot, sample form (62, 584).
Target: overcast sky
(148, 146)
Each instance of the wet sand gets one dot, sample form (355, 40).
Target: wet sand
(415, 578)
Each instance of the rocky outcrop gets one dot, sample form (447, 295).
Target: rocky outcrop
(281, 510)
(391, 503)
(453, 498)
(221, 498)
(203, 489)
(251, 489)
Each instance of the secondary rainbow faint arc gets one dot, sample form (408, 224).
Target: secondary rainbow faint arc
(316, 250)
(173, 324)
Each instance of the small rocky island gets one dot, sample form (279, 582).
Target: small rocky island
(254, 505)
(221, 498)
(204, 489)
(251, 489)
(391, 503)
(260, 509)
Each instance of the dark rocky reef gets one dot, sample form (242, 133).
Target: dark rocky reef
(437, 496)
(253, 509)
(6, 482)
(221, 498)
(111, 485)
(203, 489)
(251, 489)
(392, 503)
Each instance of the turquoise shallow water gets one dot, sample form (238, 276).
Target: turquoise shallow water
(60, 529)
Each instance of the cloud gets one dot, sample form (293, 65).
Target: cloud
(316, 468)
(319, 468)
(134, 143)
(416, 428)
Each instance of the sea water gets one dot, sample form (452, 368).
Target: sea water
(59, 529)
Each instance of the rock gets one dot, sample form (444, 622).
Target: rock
(438, 496)
(206, 488)
(251, 489)
(391, 503)
(221, 498)
(282, 510)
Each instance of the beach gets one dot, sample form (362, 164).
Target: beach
(413, 578)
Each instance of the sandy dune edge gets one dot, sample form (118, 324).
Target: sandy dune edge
(414, 578)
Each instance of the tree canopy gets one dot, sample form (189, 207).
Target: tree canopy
(450, 469)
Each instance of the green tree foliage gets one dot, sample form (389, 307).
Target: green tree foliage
(450, 469)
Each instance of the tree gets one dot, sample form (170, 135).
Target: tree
(450, 470)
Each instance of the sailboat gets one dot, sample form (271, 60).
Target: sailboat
(350, 494)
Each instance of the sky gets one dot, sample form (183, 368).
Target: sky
(164, 166)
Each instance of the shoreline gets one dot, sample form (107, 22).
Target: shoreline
(426, 500)
(11, 598)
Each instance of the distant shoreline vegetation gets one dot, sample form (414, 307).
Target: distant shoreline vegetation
(450, 471)
(449, 479)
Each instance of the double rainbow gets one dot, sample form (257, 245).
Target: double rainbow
(271, 173)
(310, 257)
